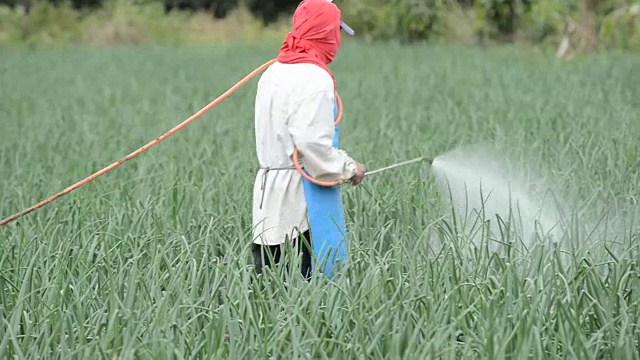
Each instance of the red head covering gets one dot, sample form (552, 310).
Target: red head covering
(315, 37)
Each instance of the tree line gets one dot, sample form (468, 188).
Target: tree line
(266, 10)
(578, 24)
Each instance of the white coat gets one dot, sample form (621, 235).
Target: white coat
(293, 108)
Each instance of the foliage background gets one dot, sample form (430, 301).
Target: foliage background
(614, 24)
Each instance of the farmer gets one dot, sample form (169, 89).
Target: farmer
(295, 107)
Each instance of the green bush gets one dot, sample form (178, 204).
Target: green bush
(141, 21)
(269, 11)
(128, 22)
(499, 19)
(404, 20)
(412, 20)
(546, 19)
(621, 28)
(45, 23)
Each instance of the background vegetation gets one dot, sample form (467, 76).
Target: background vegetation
(566, 25)
(152, 260)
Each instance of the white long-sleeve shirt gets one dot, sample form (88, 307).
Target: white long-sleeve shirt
(293, 108)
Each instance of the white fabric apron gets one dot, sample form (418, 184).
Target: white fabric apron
(294, 107)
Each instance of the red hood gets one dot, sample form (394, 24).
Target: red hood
(315, 37)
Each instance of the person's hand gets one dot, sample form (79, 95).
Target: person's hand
(359, 175)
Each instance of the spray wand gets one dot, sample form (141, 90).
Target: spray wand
(404, 163)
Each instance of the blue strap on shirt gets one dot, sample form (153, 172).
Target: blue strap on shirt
(327, 221)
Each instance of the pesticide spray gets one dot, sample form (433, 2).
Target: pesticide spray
(494, 202)
(491, 201)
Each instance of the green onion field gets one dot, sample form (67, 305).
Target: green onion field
(152, 260)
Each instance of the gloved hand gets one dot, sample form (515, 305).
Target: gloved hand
(359, 175)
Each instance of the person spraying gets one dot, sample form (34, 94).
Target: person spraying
(296, 105)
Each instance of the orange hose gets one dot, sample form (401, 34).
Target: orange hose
(142, 149)
(166, 135)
